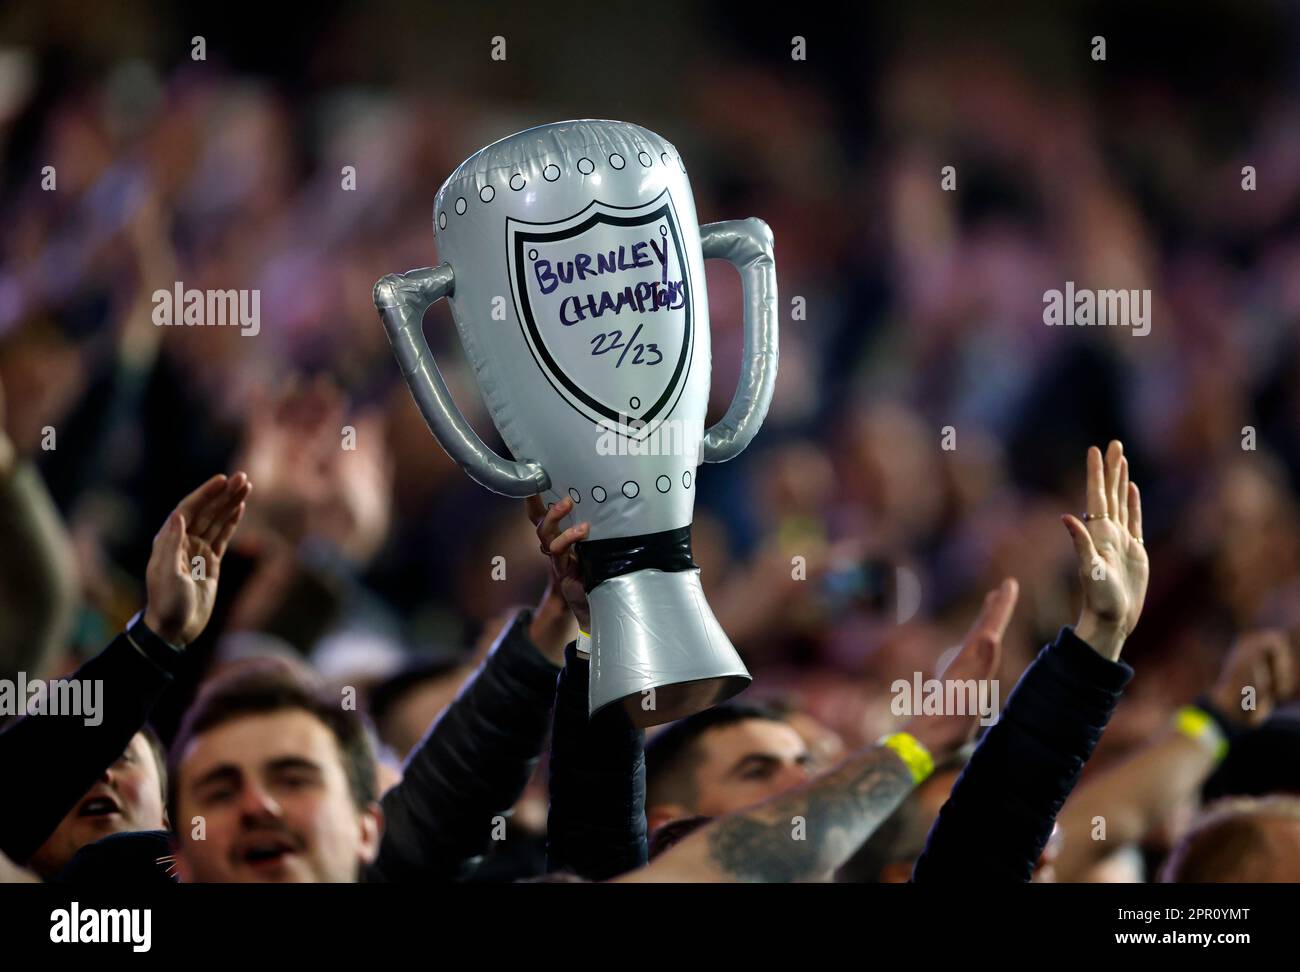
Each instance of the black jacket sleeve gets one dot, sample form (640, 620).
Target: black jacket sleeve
(596, 828)
(59, 757)
(123, 860)
(1001, 811)
(471, 766)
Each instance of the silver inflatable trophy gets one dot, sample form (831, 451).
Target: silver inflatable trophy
(574, 266)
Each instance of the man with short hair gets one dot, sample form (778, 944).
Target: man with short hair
(721, 760)
(469, 769)
(272, 782)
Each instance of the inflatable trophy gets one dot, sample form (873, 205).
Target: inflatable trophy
(574, 266)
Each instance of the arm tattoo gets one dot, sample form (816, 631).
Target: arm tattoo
(840, 810)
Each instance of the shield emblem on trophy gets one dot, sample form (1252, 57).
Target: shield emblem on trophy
(604, 300)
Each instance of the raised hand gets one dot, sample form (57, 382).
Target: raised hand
(308, 483)
(1113, 566)
(360, 507)
(181, 578)
(1264, 661)
(977, 659)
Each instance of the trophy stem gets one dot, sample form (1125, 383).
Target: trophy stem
(658, 649)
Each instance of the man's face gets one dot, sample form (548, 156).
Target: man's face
(127, 797)
(275, 804)
(745, 763)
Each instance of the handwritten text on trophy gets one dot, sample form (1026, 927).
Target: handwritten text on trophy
(641, 297)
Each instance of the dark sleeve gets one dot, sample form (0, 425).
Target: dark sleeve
(471, 766)
(596, 827)
(1001, 811)
(60, 756)
(127, 859)
(237, 569)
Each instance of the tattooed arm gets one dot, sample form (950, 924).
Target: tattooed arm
(809, 832)
(803, 835)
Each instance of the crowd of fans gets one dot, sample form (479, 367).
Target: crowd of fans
(926, 425)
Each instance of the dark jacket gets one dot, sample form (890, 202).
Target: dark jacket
(596, 828)
(123, 860)
(472, 765)
(53, 760)
(1002, 808)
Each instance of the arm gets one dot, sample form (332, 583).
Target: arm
(477, 757)
(803, 835)
(1000, 814)
(134, 670)
(596, 827)
(1131, 799)
(63, 756)
(806, 834)
(1135, 796)
(1003, 806)
(37, 573)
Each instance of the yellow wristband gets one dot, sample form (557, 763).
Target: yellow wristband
(584, 642)
(910, 751)
(1197, 724)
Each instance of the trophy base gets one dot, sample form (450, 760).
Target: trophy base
(657, 648)
(673, 702)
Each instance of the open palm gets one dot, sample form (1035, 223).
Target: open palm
(1113, 565)
(976, 660)
(186, 561)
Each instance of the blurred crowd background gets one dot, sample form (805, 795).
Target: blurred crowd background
(923, 311)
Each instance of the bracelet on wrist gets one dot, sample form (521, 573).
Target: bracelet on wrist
(911, 751)
(1195, 723)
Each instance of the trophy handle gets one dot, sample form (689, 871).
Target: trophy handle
(747, 245)
(402, 299)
